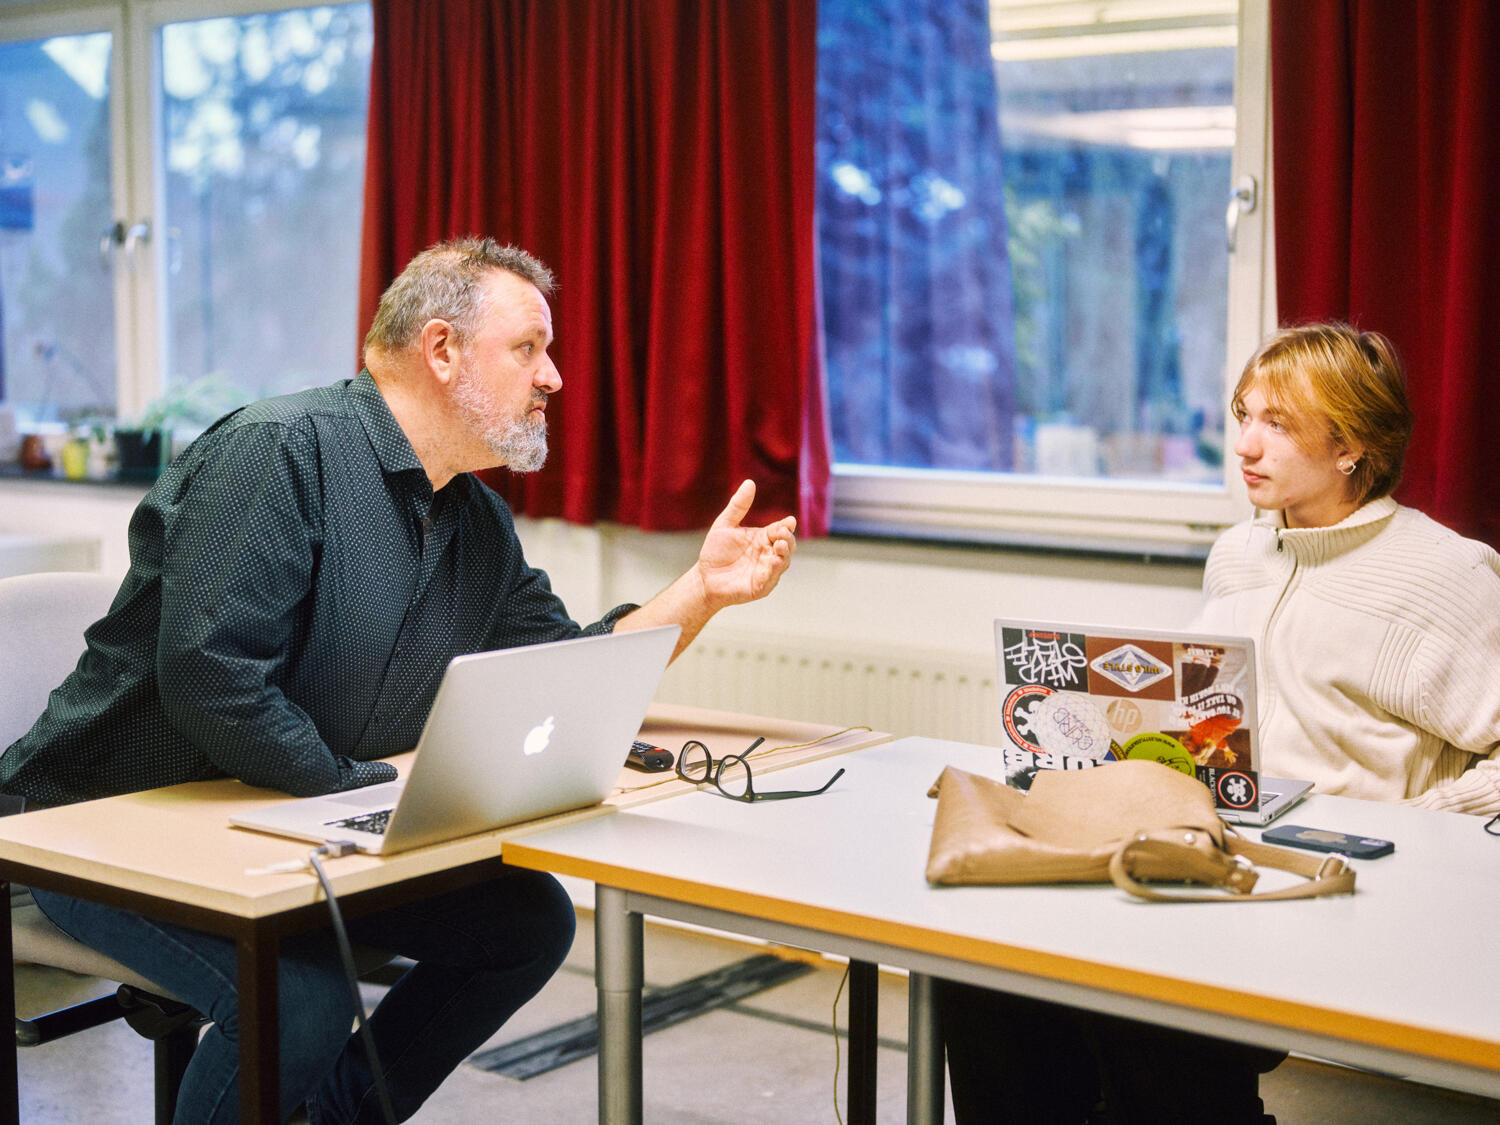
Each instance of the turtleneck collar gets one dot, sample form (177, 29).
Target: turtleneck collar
(1317, 544)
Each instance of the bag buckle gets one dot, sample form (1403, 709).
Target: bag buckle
(1333, 865)
(1240, 878)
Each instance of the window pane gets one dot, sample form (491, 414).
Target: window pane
(263, 169)
(1022, 236)
(57, 317)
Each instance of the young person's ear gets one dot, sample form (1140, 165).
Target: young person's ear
(1348, 457)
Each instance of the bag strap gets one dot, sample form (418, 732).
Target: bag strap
(1326, 874)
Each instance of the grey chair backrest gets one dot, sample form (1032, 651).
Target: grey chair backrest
(42, 620)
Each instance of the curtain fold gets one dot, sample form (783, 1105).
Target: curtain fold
(1384, 114)
(658, 155)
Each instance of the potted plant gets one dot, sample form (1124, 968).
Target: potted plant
(144, 446)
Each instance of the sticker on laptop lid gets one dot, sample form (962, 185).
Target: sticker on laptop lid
(1233, 789)
(1042, 656)
(1132, 666)
(1154, 746)
(1019, 713)
(1072, 724)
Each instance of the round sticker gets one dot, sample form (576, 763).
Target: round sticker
(1163, 748)
(1071, 724)
(1237, 790)
(1020, 722)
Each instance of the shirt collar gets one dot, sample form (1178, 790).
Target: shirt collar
(392, 447)
(387, 438)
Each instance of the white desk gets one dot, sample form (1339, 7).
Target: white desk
(1393, 977)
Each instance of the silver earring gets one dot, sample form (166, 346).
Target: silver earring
(1348, 467)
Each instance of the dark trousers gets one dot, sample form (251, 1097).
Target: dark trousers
(1017, 1061)
(481, 953)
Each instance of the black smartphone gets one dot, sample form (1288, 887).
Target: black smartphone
(1326, 840)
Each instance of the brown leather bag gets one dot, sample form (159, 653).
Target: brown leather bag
(1129, 822)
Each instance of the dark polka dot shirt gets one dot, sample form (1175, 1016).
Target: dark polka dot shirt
(295, 591)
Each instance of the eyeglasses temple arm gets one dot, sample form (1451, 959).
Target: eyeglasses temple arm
(782, 794)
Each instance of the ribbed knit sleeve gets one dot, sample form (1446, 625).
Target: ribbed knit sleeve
(1377, 641)
(1449, 589)
(1475, 791)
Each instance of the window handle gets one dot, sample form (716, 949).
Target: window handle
(112, 236)
(1242, 202)
(137, 234)
(129, 238)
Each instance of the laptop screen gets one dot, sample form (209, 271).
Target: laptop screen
(1077, 696)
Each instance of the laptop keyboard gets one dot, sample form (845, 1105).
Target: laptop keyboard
(374, 822)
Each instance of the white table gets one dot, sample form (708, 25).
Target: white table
(1395, 977)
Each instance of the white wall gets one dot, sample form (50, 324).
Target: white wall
(55, 507)
(929, 596)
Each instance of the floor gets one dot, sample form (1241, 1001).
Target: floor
(769, 1057)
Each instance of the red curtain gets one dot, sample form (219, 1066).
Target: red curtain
(658, 155)
(1385, 117)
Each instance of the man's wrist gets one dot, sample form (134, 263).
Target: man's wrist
(702, 594)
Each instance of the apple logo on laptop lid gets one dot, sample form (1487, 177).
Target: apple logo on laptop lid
(537, 738)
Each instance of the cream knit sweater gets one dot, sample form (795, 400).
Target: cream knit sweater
(1378, 653)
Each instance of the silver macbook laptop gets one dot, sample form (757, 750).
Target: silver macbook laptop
(513, 735)
(1077, 696)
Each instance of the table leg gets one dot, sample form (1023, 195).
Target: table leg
(924, 1055)
(619, 975)
(864, 1030)
(260, 1078)
(10, 1088)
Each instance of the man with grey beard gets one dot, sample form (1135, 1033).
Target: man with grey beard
(299, 579)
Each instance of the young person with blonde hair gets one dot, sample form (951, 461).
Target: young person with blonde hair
(1377, 628)
(1377, 633)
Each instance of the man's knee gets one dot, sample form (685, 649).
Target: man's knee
(551, 920)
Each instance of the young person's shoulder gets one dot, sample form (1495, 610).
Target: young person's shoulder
(1425, 541)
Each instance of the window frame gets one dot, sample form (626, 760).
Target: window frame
(1105, 515)
(1128, 516)
(137, 191)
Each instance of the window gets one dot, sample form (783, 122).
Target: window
(1030, 304)
(1032, 311)
(180, 209)
(262, 169)
(57, 317)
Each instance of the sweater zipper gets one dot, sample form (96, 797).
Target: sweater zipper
(1267, 705)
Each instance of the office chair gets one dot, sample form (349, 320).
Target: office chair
(42, 620)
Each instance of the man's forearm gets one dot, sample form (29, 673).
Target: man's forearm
(684, 603)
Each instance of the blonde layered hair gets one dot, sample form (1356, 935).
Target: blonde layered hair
(1334, 381)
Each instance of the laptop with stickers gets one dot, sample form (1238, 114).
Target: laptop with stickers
(513, 735)
(1078, 696)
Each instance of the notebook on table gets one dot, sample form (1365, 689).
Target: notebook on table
(1079, 696)
(513, 735)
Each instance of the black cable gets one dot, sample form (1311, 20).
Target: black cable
(351, 972)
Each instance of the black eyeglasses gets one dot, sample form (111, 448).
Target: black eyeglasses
(731, 774)
(1492, 826)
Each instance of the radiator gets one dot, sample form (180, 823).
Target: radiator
(902, 691)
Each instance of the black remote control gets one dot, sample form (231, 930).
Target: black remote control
(647, 758)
